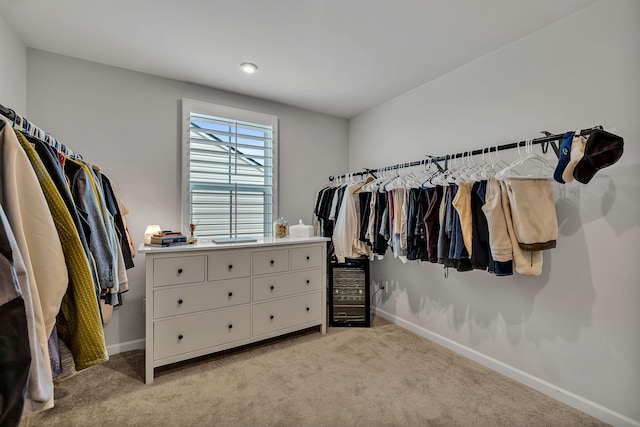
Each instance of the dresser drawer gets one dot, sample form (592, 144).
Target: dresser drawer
(276, 261)
(283, 313)
(229, 265)
(280, 285)
(306, 257)
(203, 296)
(197, 331)
(178, 270)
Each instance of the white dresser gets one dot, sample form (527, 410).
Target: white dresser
(209, 297)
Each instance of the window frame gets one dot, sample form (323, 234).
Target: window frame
(189, 106)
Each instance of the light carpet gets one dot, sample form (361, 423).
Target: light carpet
(378, 376)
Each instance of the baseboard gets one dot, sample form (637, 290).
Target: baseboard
(125, 346)
(564, 396)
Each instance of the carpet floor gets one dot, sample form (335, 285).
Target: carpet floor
(378, 376)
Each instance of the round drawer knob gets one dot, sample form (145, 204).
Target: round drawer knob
(271, 317)
(230, 294)
(179, 271)
(180, 301)
(272, 262)
(308, 258)
(308, 281)
(230, 266)
(230, 326)
(180, 337)
(307, 308)
(272, 287)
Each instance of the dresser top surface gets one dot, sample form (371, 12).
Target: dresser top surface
(209, 245)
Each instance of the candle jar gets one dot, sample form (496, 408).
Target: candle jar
(280, 228)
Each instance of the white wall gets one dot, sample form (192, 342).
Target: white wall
(13, 69)
(128, 124)
(575, 328)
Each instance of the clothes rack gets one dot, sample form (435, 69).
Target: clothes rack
(546, 141)
(21, 123)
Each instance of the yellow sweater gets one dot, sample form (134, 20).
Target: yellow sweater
(79, 323)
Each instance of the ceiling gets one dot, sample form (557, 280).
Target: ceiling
(339, 57)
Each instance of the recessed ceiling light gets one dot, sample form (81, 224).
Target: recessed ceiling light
(248, 67)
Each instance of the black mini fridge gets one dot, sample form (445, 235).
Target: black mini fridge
(349, 299)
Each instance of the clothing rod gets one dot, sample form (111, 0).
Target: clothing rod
(6, 112)
(21, 123)
(10, 114)
(548, 139)
(19, 120)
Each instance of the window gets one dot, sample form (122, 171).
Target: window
(229, 170)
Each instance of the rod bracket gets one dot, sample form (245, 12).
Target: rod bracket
(554, 145)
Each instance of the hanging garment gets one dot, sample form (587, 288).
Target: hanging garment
(416, 229)
(387, 230)
(121, 247)
(322, 226)
(86, 200)
(462, 205)
(365, 214)
(79, 325)
(458, 251)
(114, 209)
(325, 211)
(50, 159)
(45, 274)
(453, 229)
(381, 225)
(114, 242)
(481, 255)
(399, 225)
(371, 225)
(107, 218)
(124, 212)
(328, 223)
(526, 263)
(533, 213)
(315, 221)
(14, 360)
(326, 202)
(55, 355)
(334, 206)
(446, 225)
(338, 197)
(346, 236)
(15, 353)
(432, 222)
(499, 240)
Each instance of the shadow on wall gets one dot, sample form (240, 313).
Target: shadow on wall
(612, 194)
(473, 300)
(623, 188)
(557, 304)
(567, 303)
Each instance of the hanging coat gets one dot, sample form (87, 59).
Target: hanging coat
(86, 199)
(15, 354)
(80, 325)
(45, 270)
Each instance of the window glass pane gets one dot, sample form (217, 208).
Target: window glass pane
(231, 175)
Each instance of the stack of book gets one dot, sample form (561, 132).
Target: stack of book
(168, 238)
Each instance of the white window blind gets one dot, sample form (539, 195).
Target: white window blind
(230, 171)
